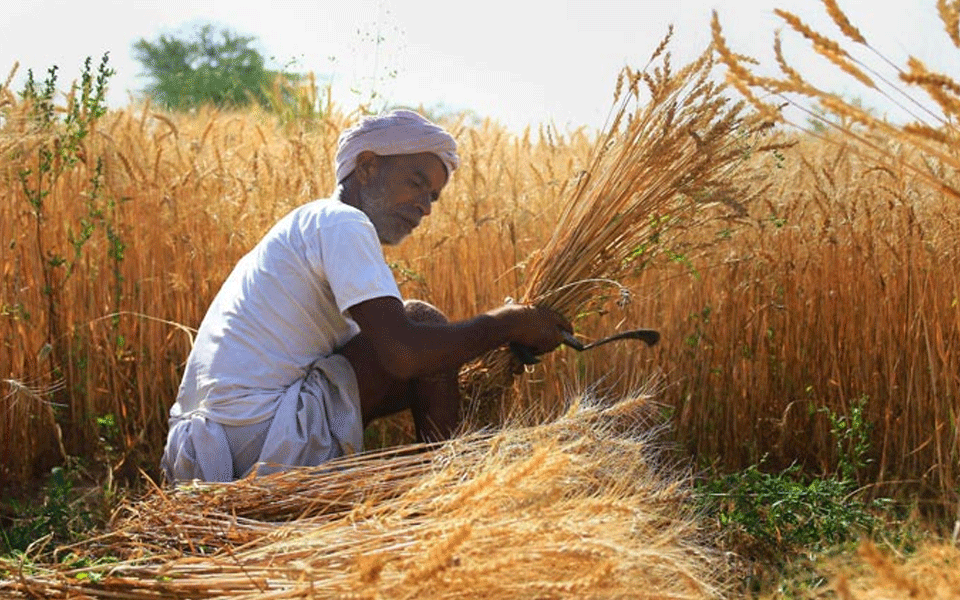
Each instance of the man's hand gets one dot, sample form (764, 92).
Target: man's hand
(535, 327)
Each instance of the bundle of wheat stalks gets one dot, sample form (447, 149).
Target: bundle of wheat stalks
(659, 162)
(582, 507)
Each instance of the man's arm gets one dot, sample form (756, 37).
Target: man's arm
(408, 350)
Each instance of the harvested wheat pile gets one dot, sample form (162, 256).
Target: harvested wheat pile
(933, 572)
(584, 506)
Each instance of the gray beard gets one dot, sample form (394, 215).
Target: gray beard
(388, 229)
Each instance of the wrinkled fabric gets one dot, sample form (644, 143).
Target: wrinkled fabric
(318, 422)
(318, 419)
(399, 132)
(197, 448)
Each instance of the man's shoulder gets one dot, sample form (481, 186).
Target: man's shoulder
(325, 219)
(330, 210)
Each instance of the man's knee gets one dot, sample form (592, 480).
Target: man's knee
(423, 312)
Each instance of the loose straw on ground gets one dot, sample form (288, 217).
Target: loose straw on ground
(582, 507)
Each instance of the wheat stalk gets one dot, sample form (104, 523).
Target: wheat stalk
(826, 47)
(942, 89)
(841, 20)
(949, 12)
(737, 75)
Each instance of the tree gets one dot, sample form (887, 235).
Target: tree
(213, 67)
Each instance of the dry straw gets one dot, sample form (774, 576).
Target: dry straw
(582, 507)
(932, 572)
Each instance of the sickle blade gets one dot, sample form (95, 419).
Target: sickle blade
(649, 336)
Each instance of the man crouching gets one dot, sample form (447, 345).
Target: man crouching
(309, 339)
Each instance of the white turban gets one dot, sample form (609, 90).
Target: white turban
(399, 132)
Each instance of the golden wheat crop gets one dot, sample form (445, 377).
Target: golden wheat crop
(867, 249)
(933, 571)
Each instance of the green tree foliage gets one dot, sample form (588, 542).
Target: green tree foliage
(213, 66)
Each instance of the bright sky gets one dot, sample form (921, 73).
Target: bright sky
(519, 61)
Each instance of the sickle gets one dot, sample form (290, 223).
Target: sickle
(649, 336)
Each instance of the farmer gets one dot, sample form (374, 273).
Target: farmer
(309, 339)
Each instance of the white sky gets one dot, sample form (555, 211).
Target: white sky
(519, 61)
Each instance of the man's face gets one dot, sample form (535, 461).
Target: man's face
(400, 191)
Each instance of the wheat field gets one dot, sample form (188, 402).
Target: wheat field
(797, 271)
(832, 280)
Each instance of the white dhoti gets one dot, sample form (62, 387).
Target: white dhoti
(318, 418)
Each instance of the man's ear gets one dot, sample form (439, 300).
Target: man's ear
(367, 165)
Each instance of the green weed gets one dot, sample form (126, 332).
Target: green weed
(59, 516)
(782, 522)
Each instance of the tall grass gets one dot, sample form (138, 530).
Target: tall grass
(835, 289)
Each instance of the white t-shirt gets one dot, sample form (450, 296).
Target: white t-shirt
(283, 307)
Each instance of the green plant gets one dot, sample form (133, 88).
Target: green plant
(785, 511)
(375, 41)
(779, 517)
(60, 515)
(781, 523)
(109, 435)
(851, 434)
(60, 150)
